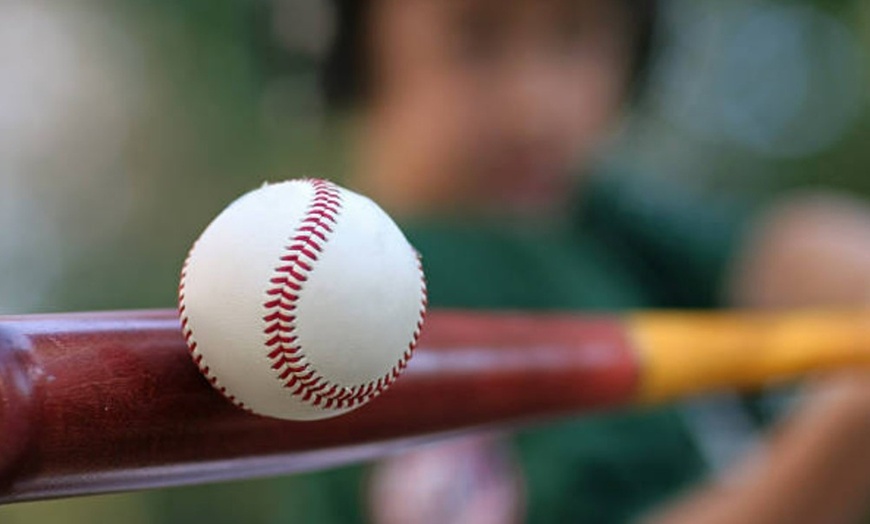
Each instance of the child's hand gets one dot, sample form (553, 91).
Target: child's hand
(815, 467)
(809, 250)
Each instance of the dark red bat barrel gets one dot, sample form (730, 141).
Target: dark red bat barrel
(103, 402)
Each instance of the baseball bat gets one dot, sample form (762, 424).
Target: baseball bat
(104, 402)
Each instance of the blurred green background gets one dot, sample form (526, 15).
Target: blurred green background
(125, 125)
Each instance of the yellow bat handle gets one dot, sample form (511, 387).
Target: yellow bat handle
(689, 353)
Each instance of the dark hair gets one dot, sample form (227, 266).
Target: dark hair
(345, 73)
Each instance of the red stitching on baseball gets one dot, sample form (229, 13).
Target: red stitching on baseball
(286, 355)
(189, 339)
(311, 231)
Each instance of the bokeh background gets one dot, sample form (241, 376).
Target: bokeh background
(125, 125)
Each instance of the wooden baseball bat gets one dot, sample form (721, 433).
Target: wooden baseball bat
(103, 402)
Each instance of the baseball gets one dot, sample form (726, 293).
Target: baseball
(302, 300)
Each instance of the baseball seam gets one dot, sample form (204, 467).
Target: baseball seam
(286, 353)
(191, 342)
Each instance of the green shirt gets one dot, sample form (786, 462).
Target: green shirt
(620, 250)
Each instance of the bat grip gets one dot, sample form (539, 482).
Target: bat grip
(683, 354)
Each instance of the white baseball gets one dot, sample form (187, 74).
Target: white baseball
(302, 300)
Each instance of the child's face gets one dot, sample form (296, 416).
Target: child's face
(493, 102)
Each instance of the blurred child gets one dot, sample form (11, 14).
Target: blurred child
(477, 124)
